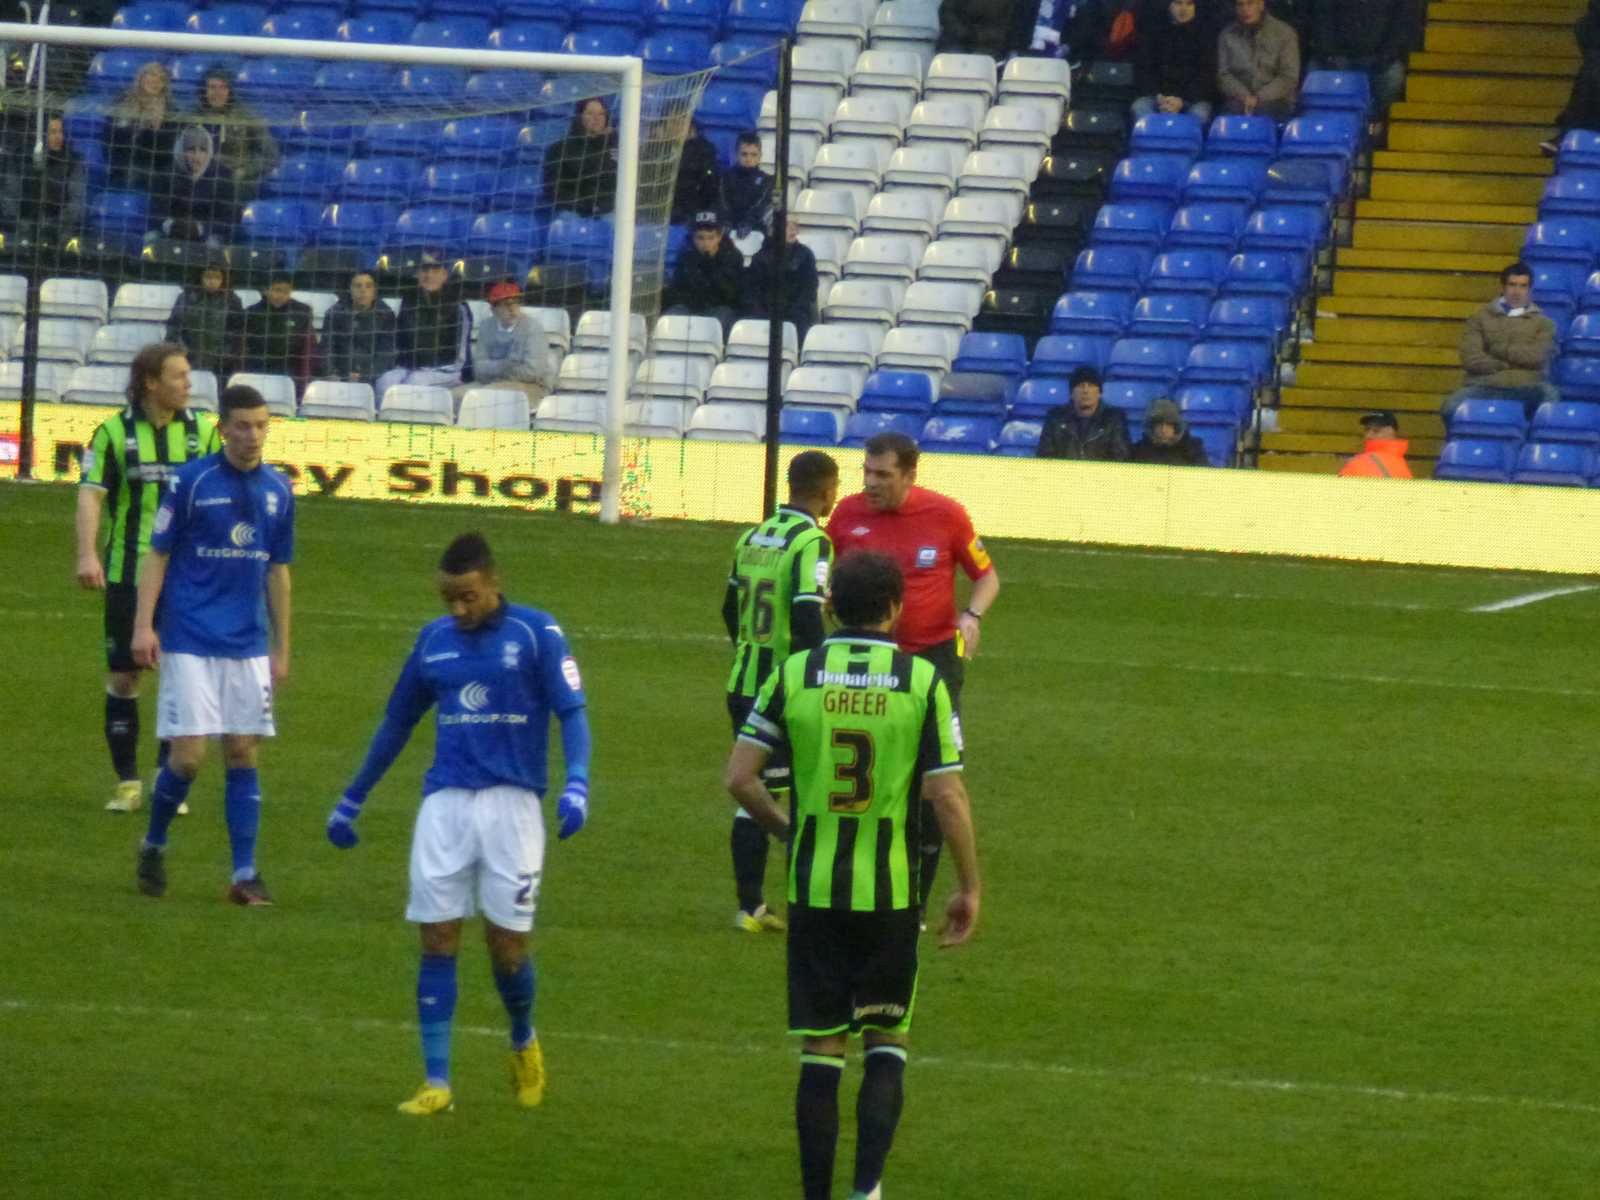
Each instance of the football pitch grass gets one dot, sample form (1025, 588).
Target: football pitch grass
(1291, 891)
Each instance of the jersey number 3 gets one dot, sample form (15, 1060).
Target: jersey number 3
(853, 773)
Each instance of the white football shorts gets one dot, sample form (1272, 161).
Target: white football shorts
(487, 844)
(203, 696)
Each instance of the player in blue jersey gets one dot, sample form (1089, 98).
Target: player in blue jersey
(495, 673)
(213, 614)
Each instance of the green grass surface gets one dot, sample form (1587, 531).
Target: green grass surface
(1291, 892)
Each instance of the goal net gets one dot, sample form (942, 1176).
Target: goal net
(337, 209)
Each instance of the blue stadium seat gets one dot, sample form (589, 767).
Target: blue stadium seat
(188, 71)
(485, 139)
(728, 106)
(1150, 179)
(1176, 134)
(630, 15)
(1157, 360)
(152, 16)
(1566, 421)
(1058, 355)
(1206, 227)
(898, 392)
(1248, 318)
(1563, 239)
(303, 176)
(120, 214)
(504, 89)
(268, 80)
(455, 181)
(1140, 225)
(1169, 315)
(1036, 397)
(1334, 135)
(1556, 288)
(344, 79)
(431, 225)
(535, 37)
(675, 52)
(1092, 313)
(511, 234)
(426, 85)
(1225, 181)
(311, 23)
(1019, 438)
(866, 424)
(1576, 194)
(974, 394)
(762, 19)
(1133, 397)
(1244, 363)
(355, 223)
(1577, 378)
(993, 353)
(113, 71)
(228, 20)
(1111, 269)
(1274, 273)
(745, 60)
(486, 9)
(960, 435)
(695, 16)
(1215, 403)
(582, 240)
(1295, 229)
(1197, 272)
(1489, 419)
(410, 9)
(1242, 137)
(1559, 464)
(555, 11)
(1466, 459)
(1583, 336)
(378, 28)
(1579, 151)
(277, 222)
(1337, 91)
(388, 179)
(401, 138)
(808, 426)
(1221, 443)
(533, 140)
(1308, 182)
(604, 39)
(452, 33)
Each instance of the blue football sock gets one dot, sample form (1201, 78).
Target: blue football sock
(436, 1008)
(516, 992)
(241, 799)
(170, 791)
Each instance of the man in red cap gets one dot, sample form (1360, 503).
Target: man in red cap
(1383, 456)
(511, 350)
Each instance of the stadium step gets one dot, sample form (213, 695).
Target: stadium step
(1438, 236)
(1361, 400)
(1379, 354)
(1355, 257)
(1465, 139)
(1397, 306)
(1329, 464)
(1548, 93)
(1520, 215)
(1479, 11)
(1421, 187)
(1345, 443)
(1438, 380)
(1565, 66)
(1337, 420)
(1363, 331)
(1481, 37)
(1422, 285)
(1474, 114)
(1483, 164)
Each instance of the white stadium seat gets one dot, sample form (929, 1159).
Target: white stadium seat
(492, 408)
(916, 210)
(203, 390)
(674, 377)
(1011, 171)
(876, 301)
(850, 164)
(810, 110)
(836, 21)
(983, 214)
(339, 400)
(572, 412)
(98, 385)
(418, 405)
(657, 418)
(830, 247)
(927, 165)
(82, 299)
(883, 256)
(557, 326)
(748, 339)
(583, 371)
(844, 344)
(740, 379)
(822, 64)
(954, 119)
(319, 303)
(888, 70)
(145, 302)
(728, 423)
(61, 340)
(594, 332)
(834, 208)
(967, 260)
(698, 337)
(961, 73)
(13, 295)
(879, 117)
(1016, 125)
(121, 341)
(1037, 77)
(905, 21)
(920, 346)
(941, 302)
(803, 149)
(276, 390)
(835, 388)
(50, 383)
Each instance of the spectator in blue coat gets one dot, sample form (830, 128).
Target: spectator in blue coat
(799, 282)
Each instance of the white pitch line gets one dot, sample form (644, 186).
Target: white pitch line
(1533, 598)
(937, 1061)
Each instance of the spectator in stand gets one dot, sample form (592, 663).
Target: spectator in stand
(208, 322)
(745, 197)
(511, 350)
(1506, 347)
(1175, 62)
(1383, 454)
(142, 131)
(44, 192)
(1370, 36)
(1086, 428)
(1167, 439)
(279, 332)
(1583, 104)
(197, 201)
(706, 281)
(1258, 63)
(800, 282)
(240, 137)
(580, 171)
(699, 185)
(435, 332)
(977, 27)
(360, 335)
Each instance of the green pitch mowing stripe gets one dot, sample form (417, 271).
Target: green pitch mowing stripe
(1290, 876)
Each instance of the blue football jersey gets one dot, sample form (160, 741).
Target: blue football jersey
(495, 689)
(222, 528)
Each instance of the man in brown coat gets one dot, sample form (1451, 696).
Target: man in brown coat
(1258, 63)
(1506, 347)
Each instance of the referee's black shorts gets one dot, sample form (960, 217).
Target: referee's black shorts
(850, 971)
(776, 772)
(951, 665)
(122, 601)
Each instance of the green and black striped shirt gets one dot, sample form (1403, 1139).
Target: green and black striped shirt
(132, 461)
(779, 564)
(865, 724)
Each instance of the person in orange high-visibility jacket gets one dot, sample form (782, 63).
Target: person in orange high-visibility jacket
(1383, 455)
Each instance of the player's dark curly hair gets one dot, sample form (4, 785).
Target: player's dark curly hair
(468, 553)
(810, 472)
(866, 586)
(146, 368)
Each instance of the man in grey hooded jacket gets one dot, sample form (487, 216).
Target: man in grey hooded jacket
(510, 350)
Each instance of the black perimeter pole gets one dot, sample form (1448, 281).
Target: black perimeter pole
(778, 238)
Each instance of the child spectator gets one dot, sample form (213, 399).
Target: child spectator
(360, 334)
(707, 278)
(1167, 439)
(278, 333)
(208, 322)
(746, 194)
(1175, 63)
(799, 282)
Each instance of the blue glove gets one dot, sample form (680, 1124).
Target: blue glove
(342, 824)
(573, 807)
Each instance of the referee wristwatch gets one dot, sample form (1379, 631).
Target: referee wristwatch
(976, 616)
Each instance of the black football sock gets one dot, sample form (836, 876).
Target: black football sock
(816, 1117)
(122, 735)
(878, 1112)
(749, 844)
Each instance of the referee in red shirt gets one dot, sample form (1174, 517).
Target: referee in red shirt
(929, 535)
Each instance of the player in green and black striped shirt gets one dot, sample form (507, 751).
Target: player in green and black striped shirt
(125, 469)
(869, 729)
(773, 607)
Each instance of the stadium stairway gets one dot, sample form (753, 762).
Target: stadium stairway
(1450, 201)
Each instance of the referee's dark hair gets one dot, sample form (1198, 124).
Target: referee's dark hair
(146, 368)
(468, 553)
(237, 396)
(810, 472)
(898, 444)
(866, 586)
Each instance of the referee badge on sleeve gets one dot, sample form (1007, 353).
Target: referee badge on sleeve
(927, 556)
